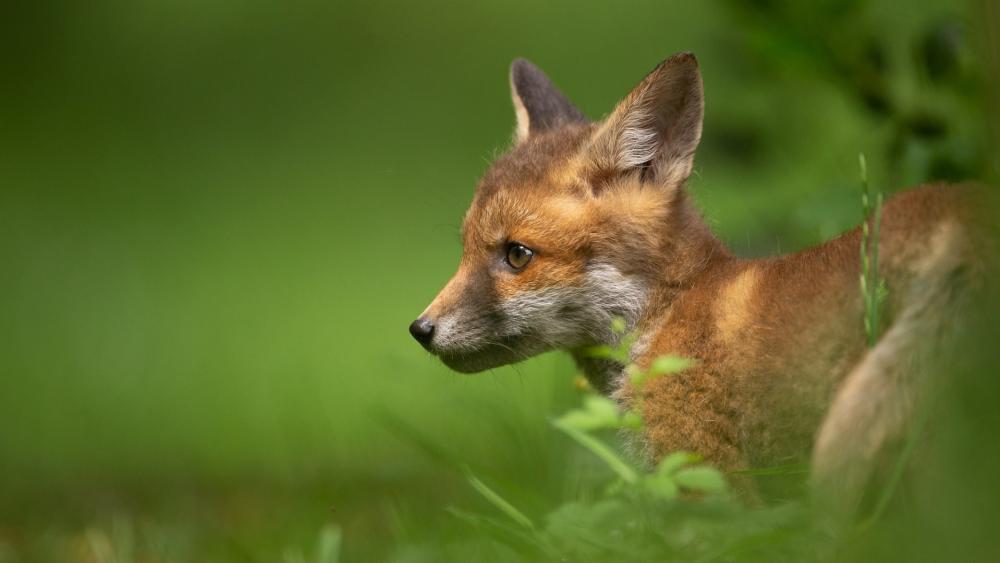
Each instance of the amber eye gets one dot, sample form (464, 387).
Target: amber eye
(518, 255)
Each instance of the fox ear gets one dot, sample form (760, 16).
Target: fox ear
(538, 104)
(656, 128)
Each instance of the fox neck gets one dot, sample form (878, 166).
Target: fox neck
(688, 251)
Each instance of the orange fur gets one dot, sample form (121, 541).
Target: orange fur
(613, 232)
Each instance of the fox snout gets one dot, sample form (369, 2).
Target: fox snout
(422, 330)
(461, 325)
(464, 325)
(465, 329)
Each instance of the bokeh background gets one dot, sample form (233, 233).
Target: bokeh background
(218, 218)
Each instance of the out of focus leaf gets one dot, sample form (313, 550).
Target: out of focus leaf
(701, 479)
(598, 412)
(661, 485)
(675, 460)
(665, 365)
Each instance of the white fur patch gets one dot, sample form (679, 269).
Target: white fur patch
(639, 140)
(569, 316)
(521, 114)
(559, 317)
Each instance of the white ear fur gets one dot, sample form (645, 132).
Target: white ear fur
(656, 127)
(523, 121)
(638, 140)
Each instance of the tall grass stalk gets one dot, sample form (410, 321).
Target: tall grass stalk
(873, 289)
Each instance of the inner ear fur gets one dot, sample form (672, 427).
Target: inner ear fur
(655, 130)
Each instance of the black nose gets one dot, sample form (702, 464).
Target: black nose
(422, 329)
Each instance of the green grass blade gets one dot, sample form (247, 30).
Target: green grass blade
(498, 501)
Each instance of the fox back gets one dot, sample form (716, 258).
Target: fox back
(584, 222)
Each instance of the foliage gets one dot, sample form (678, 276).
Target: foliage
(679, 508)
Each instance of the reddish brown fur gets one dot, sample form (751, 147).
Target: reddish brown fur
(773, 338)
(765, 379)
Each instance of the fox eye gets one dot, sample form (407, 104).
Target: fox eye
(518, 255)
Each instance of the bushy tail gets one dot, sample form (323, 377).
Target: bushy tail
(877, 404)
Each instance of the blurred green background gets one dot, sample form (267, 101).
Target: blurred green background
(218, 218)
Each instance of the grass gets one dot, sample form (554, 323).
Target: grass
(681, 509)
(625, 518)
(873, 288)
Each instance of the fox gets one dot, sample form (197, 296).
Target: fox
(584, 222)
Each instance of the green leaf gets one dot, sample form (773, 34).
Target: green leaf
(601, 406)
(602, 351)
(632, 420)
(598, 412)
(701, 479)
(635, 375)
(618, 325)
(674, 461)
(665, 365)
(579, 419)
(661, 485)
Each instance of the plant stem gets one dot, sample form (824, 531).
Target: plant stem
(598, 448)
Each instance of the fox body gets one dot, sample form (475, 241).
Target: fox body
(581, 223)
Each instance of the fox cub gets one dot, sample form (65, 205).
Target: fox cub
(583, 222)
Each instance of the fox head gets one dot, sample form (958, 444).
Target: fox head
(578, 224)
